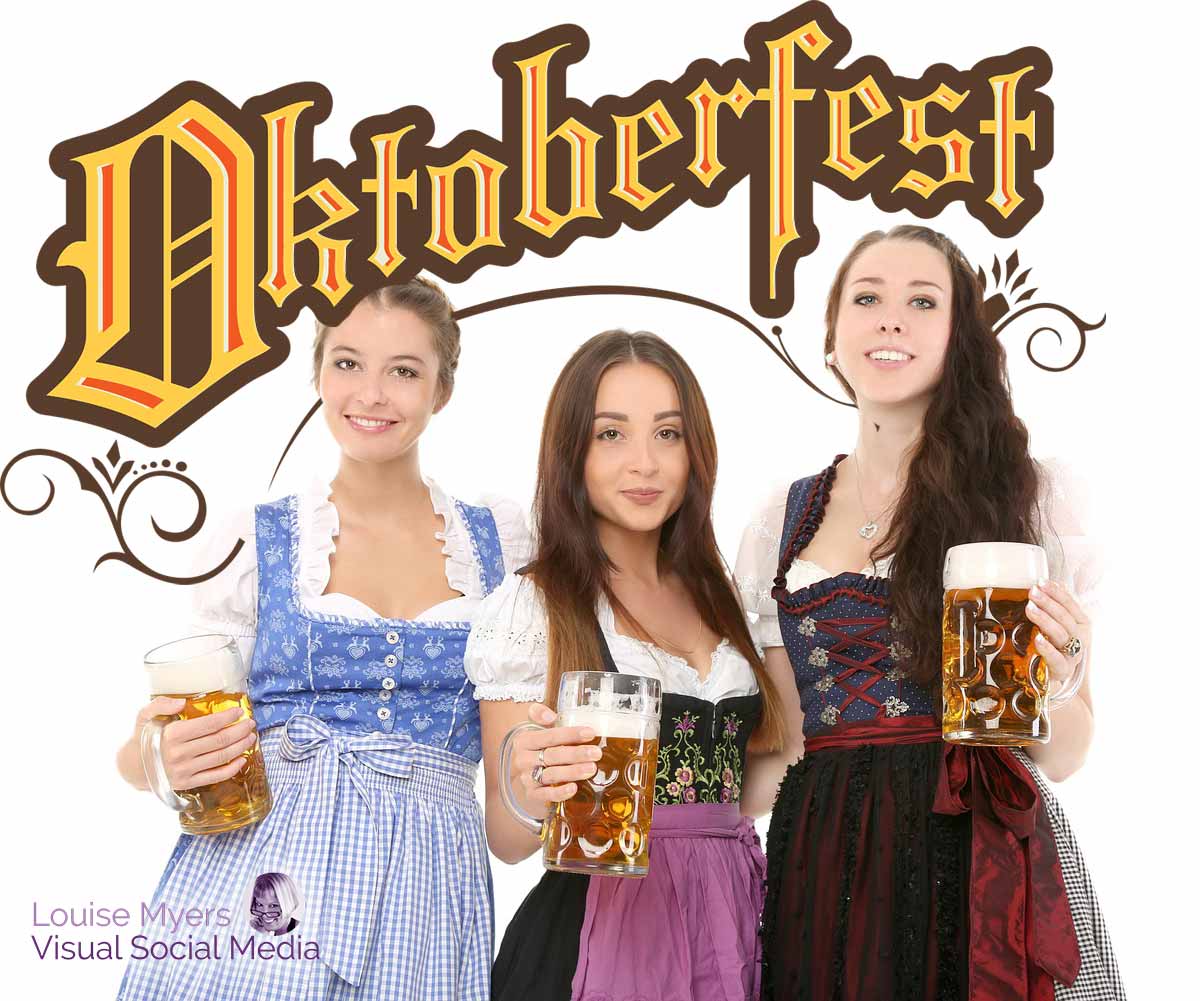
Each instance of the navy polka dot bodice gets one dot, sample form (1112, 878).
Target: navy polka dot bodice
(838, 631)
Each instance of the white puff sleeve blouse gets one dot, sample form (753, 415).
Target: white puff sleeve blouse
(228, 603)
(507, 658)
(1074, 558)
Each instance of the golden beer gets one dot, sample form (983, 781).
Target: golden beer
(207, 673)
(994, 682)
(604, 827)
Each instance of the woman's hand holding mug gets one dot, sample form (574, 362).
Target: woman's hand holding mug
(549, 762)
(202, 751)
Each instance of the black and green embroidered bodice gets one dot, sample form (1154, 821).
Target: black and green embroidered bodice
(701, 744)
(702, 748)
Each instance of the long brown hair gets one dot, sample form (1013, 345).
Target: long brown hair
(570, 567)
(970, 476)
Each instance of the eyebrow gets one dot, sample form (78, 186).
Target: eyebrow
(611, 415)
(879, 281)
(352, 351)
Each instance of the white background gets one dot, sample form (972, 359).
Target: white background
(1113, 238)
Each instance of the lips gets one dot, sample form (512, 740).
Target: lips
(369, 425)
(643, 496)
(888, 357)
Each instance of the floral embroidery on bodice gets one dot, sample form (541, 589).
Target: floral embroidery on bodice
(839, 632)
(702, 748)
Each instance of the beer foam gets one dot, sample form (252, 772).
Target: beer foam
(611, 724)
(193, 666)
(994, 564)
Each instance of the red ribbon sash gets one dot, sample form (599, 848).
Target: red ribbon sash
(1022, 934)
(888, 730)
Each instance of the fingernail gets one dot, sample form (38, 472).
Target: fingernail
(587, 733)
(1032, 607)
(594, 753)
(1040, 640)
(547, 716)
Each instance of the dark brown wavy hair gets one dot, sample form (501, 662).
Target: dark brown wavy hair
(970, 476)
(570, 567)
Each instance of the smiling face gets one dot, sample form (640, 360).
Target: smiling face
(893, 322)
(636, 469)
(265, 912)
(379, 382)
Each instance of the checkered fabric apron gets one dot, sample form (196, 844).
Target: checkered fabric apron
(383, 837)
(1098, 979)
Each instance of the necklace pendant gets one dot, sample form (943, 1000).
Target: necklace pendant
(868, 530)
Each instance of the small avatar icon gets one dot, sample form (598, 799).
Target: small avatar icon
(274, 904)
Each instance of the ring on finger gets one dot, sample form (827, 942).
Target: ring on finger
(1073, 647)
(542, 757)
(536, 774)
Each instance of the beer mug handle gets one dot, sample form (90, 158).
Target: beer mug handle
(1060, 699)
(152, 762)
(535, 824)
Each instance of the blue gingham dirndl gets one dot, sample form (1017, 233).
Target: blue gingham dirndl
(356, 818)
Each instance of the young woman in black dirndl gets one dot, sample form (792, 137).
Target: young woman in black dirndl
(899, 866)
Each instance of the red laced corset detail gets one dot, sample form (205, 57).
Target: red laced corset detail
(839, 653)
(867, 633)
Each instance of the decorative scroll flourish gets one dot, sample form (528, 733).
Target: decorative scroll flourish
(115, 484)
(999, 310)
(570, 291)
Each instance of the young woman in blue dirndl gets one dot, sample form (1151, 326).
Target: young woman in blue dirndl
(352, 605)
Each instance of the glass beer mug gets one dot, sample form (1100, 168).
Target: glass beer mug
(604, 828)
(994, 682)
(208, 674)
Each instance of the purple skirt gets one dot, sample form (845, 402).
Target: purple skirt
(687, 930)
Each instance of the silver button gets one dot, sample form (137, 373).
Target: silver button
(392, 637)
(389, 683)
(383, 712)
(385, 695)
(390, 660)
